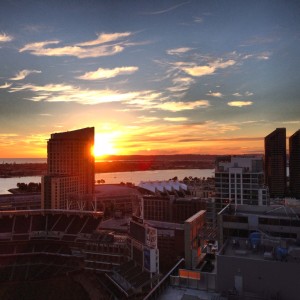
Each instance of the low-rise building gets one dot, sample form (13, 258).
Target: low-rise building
(260, 252)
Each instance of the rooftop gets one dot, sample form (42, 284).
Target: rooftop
(264, 248)
(288, 211)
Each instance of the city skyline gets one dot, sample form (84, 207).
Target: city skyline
(202, 77)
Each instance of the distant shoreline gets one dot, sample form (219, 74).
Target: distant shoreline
(130, 164)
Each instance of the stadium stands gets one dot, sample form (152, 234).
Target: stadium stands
(40, 244)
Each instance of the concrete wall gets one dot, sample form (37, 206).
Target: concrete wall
(260, 276)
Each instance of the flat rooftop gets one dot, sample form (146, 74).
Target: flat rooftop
(272, 210)
(266, 251)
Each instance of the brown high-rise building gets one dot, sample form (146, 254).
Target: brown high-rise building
(275, 162)
(294, 142)
(71, 169)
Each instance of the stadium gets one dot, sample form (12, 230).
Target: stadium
(41, 246)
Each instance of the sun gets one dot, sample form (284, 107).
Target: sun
(104, 144)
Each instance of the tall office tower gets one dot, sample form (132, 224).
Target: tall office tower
(240, 180)
(275, 162)
(294, 142)
(70, 176)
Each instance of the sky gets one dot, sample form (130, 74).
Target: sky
(152, 77)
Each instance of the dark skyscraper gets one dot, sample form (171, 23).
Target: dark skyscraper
(71, 169)
(294, 142)
(275, 162)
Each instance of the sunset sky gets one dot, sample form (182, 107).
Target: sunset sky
(152, 77)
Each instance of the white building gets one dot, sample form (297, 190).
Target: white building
(240, 180)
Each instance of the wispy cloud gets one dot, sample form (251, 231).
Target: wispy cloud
(246, 94)
(181, 84)
(260, 40)
(178, 51)
(158, 137)
(8, 134)
(158, 12)
(176, 119)
(264, 55)
(180, 106)
(108, 73)
(23, 74)
(45, 115)
(210, 68)
(291, 122)
(215, 94)
(136, 100)
(237, 95)
(240, 103)
(5, 38)
(5, 85)
(145, 119)
(70, 93)
(94, 48)
(105, 38)
(198, 20)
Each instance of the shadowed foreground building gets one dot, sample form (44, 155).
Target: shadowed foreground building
(69, 182)
(294, 143)
(275, 162)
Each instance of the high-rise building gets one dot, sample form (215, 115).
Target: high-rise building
(294, 142)
(71, 169)
(275, 162)
(240, 180)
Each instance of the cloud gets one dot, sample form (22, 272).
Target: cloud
(70, 93)
(209, 69)
(264, 55)
(5, 85)
(158, 12)
(144, 119)
(240, 103)
(178, 51)
(215, 94)
(260, 40)
(8, 134)
(176, 119)
(105, 38)
(290, 122)
(5, 38)
(181, 84)
(198, 71)
(237, 95)
(179, 106)
(246, 94)
(24, 73)
(198, 20)
(159, 136)
(95, 48)
(108, 73)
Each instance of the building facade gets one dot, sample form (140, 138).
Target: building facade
(70, 169)
(240, 180)
(294, 143)
(275, 162)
